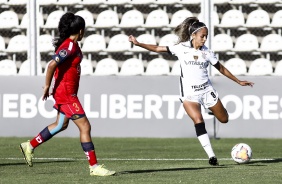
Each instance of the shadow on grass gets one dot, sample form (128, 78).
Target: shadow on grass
(166, 170)
(275, 160)
(37, 163)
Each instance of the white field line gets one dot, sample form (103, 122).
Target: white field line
(135, 159)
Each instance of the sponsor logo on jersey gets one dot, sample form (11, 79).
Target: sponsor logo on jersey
(63, 53)
(195, 58)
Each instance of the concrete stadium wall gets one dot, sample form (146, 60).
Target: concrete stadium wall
(143, 106)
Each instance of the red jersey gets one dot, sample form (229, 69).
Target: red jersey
(67, 74)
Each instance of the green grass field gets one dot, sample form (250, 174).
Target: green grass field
(141, 160)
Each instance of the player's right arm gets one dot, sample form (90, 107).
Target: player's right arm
(48, 79)
(154, 48)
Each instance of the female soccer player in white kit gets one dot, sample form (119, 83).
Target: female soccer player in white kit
(195, 86)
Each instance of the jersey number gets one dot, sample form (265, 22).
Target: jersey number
(213, 95)
(76, 107)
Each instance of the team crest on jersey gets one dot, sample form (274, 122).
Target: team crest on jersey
(195, 58)
(204, 55)
(63, 53)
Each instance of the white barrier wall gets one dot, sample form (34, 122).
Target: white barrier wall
(143, 106)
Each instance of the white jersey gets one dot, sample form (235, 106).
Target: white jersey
(194, 79)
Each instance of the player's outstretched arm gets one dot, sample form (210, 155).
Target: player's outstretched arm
(154, 48)
(228, 74)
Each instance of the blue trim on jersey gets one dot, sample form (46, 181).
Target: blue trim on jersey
(59, 126)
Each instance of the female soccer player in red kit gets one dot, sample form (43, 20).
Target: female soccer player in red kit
(65, 68)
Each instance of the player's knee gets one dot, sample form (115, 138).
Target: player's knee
(224, 120)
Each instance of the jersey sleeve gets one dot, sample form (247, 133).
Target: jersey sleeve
(172, 49)
(212, 58)
(61, 55)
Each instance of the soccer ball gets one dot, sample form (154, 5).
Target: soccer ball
(241, 153)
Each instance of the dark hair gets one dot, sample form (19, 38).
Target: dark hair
(69, 24)
(187, 27)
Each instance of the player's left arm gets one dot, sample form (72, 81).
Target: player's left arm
(224, 71)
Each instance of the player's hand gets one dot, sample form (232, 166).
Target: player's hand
(133, 40)
(246, 83)
(46, 93)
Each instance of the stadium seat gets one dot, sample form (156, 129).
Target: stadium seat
(215, 18)
(132, 19)
(47, 3)
(271, 43)
(91, 2)
(192, 2)
(278, 68)
(168, 40)
(132, 66)
(260, 66)
(167, 2)
(158, 66)
(2, 44)
(17, 2)
(246, 43)
(157, 19)
(25, 68)
(106, 66)
(94, 43)
(144, 38)
(236, 66)
(222, 43)
(86, 67)
(53, 19)
(9, 19)
(88, 17)
(258, 18)
(142, 2)
(119, 43)
(116, 2)
(68, 2)
(3, 2)
(277, 19)
(25, 20)
(267, 1)
(18, 44)
(107, 19)
(241, 2)
(217, 2)
(232, 18)
(176, 69)
(178, 17)
(8, 67)
(45, 43)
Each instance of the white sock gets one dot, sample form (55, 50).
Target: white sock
(93, 166)
(206, 144)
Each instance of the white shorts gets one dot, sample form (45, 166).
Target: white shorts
(207, 99)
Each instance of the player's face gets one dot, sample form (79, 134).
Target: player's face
(200, 37)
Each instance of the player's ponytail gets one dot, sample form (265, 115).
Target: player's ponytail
(69, 24)
(188, 27)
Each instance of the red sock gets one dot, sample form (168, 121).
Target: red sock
(91, 156)
(36, 141)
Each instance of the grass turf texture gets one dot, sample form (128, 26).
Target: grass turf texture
(141, 160)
